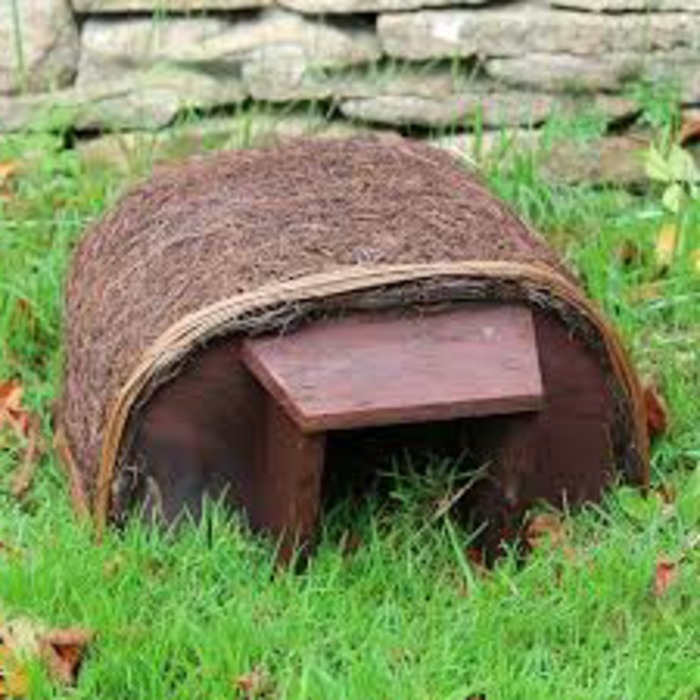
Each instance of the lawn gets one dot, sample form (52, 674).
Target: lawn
(407, 613)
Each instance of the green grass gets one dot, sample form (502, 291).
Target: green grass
(405, 615)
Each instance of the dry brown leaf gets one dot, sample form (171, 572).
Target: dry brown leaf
(25, 426)
(656, 410)
(628, 252)
(690, 131)
(665, 576)
(12, 413)
(8, 170)
(14, 681)
(665, 248)
(546, 528)
(667, 493)
(63, 652)
(256, 684)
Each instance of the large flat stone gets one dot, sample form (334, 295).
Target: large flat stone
(629, 5)
(686, 76)
(495, 109)
(45, 55)
(591, 73)
(286, 75)
(370, 6)
(526, 29)
(148, 101)
(615, 160)
(562, 72)
(157, 6)
(491, 108)
(608, 160)
(109, 47)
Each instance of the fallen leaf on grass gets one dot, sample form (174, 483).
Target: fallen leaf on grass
(666, 247)
(546, 528)
(12, 414)
(27, 428)
(549, 529)
(665, 575)
(23, 639)
(690, 131)
(628, 253)
(667, 493)
(256, 684)
(8, 170)
(14, 682)
(63, 652)
(657, 411)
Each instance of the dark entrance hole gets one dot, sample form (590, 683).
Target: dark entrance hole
(357, 459)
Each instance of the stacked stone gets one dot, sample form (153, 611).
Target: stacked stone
(126, 64)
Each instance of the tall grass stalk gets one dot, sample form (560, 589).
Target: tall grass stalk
(19, 45)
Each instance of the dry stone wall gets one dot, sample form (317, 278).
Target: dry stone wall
(134, 64)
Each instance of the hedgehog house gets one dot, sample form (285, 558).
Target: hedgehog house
(242, 323)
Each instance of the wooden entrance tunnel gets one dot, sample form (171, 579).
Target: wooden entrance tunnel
(382, 371)
(254, 416)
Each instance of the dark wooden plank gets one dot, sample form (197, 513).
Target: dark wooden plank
(358, 372)
(214, 431)
(561, 454)
(201, 434)
(289, 493)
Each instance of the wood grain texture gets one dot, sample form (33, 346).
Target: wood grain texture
(360, 372)
(289, 490)
(561, 454)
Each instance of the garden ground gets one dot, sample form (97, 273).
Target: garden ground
(606, 607)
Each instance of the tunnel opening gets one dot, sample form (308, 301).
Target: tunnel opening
(386, 475)
(293, 427)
